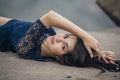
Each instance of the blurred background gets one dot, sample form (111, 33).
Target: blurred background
(85, 13)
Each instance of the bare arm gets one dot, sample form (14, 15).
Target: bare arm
(54, 19)
(4, 20)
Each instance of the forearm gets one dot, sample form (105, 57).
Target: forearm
(54, 19)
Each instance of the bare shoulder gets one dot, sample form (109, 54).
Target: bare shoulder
(4, 20)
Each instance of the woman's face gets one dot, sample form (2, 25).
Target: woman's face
(61, 44)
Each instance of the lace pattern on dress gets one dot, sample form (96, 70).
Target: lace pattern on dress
(31, 38)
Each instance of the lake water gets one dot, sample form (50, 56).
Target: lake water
(85, 13)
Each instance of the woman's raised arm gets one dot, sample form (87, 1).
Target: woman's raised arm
(54, 19)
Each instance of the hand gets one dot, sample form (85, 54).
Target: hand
(108, 57)
(91, 44)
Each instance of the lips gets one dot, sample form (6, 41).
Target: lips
(52, 39)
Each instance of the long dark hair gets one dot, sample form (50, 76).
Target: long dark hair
(80, 57)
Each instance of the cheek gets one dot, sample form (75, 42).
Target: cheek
(56, 49)
(49, 40)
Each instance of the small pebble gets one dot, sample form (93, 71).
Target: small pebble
(69, 76)
(115, 76)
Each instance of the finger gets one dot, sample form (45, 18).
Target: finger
(95, 55)
(106, 60)
(110, 52)
(97, 49)
(110, 58)
(96, 52)
(112, 62)
(110, 55)
(90, 52)
(99, 57)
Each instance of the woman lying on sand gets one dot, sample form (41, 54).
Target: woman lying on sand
(39, 41)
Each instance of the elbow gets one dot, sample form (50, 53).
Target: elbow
(47, 19)
(51, 13)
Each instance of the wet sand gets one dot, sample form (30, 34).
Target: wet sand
(12, 67)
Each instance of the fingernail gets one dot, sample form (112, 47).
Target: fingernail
(91, 56)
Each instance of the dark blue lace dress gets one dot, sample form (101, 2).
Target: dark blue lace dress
(24, 38)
